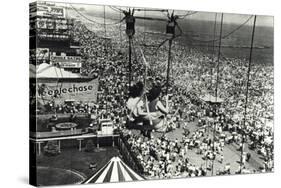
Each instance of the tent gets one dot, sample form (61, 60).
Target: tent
(45, 70)
(114, 171)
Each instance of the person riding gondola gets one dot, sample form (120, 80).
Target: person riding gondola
(135, 105)
(157, 110)
(147, 115)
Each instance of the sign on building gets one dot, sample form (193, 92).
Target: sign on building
(52, 90)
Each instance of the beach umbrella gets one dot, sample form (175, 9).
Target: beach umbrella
(268, 123)
(236, 117)
(114, 171)
(212, 99)
(268, 140)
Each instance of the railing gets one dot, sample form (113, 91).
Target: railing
(129, 157)
(125, 149)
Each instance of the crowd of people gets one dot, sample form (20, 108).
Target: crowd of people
(163, 158)
(201, 72)
(193, 75)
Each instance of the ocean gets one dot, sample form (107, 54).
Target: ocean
(195, 31)
(237, 45)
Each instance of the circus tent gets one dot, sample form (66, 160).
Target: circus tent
(114, 171)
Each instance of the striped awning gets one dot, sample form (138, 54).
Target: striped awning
(114, 171)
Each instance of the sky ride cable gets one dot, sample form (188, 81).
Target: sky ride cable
(120, 29)
(144, 25)
(216, 94)
(116, 9)
(144, 95)
(146, 64)
(213, 51)
(145, 85)
(104, 24)
(169, 65)
(211, 80)
(247, 92)
(130, 60)
(218, 60)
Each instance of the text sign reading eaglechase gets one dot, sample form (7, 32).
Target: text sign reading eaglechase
(61, 91)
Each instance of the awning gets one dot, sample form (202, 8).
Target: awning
(45, 70)
(114, 171)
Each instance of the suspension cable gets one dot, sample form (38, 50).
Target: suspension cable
(104, 23)
(247, 90)
(169, 65)
(144, 25)
(116, 9)
(120, 29)
(219, 53)
(130, 59)
(213, 57)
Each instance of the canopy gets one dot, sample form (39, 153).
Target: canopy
(45, 70)
(114, 171)
(210, 98)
